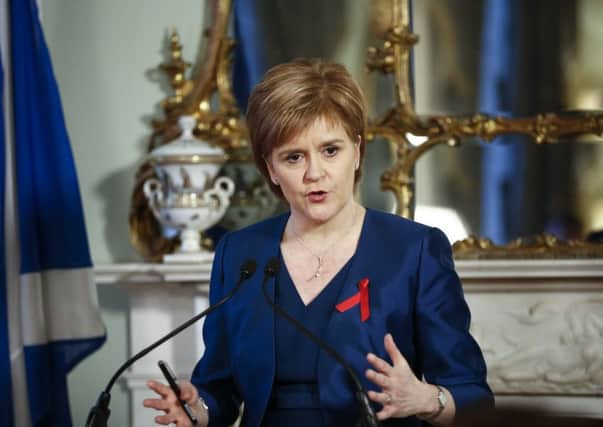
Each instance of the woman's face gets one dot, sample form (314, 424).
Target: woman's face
(315, 170)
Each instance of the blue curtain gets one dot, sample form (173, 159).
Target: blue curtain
(249, 63)
(503, 160)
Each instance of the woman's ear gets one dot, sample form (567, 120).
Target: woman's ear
(357, 152)
(273, 177)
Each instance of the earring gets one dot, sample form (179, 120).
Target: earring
(357, 165)
(275, 181)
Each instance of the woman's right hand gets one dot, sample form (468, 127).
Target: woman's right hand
(168, 403)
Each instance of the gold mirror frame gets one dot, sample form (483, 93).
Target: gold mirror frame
(221, 124)
(393, 57)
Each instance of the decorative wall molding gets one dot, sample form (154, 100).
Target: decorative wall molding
(545, 345)
(530, 269)
(539, 324)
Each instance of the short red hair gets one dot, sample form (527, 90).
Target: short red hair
(293, 95)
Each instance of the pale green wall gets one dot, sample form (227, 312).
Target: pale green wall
(102, 53)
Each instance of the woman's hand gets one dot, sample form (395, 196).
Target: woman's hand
(402, 393)
(168, 403)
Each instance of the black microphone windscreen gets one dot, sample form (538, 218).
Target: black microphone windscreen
(248, 268)
(271, 267)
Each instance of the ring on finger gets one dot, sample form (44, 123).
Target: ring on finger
(388, 398)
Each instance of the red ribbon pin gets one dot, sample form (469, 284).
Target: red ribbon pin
(362, 298)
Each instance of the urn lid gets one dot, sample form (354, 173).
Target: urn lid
(187, 148)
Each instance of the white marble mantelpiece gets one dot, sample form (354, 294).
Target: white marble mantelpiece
(141, 273)
(539, 323)
(161, 297)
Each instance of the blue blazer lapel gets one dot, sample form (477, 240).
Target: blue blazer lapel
(346, 332)
(255, 339)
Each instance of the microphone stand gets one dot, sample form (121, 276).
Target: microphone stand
(368, 418)
(99, 413)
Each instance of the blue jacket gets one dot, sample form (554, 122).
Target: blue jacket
(414, 294)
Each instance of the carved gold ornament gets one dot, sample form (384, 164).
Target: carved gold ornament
(393, 57)
(541, 246)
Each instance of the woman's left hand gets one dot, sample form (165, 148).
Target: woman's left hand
(402, 393)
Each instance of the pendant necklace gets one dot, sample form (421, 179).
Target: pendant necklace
(319, 257)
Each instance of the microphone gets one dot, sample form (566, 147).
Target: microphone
(368, 418)
(99, 413)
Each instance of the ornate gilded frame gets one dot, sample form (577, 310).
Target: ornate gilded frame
(393, 57)
(220, 122)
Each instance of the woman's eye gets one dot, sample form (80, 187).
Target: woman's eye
(331, 150)
(293, 158)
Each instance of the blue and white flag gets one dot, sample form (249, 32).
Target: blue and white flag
(49, 316)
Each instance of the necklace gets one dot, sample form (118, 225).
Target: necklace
(319, 257)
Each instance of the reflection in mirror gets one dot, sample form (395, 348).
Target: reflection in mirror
(554, 48)
(518, 60)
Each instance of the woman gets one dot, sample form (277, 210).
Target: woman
(380, 289)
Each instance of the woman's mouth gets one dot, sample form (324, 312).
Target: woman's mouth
(316, 196)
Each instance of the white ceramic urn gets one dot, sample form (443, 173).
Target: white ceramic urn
(188, 195)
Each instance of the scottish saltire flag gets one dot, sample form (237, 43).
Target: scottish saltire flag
(503, 161)
(48, 306)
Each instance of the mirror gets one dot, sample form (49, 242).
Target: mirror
(552, 65)
(545, 187)
(548, 61)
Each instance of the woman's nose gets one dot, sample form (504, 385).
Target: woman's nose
(314, 169)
